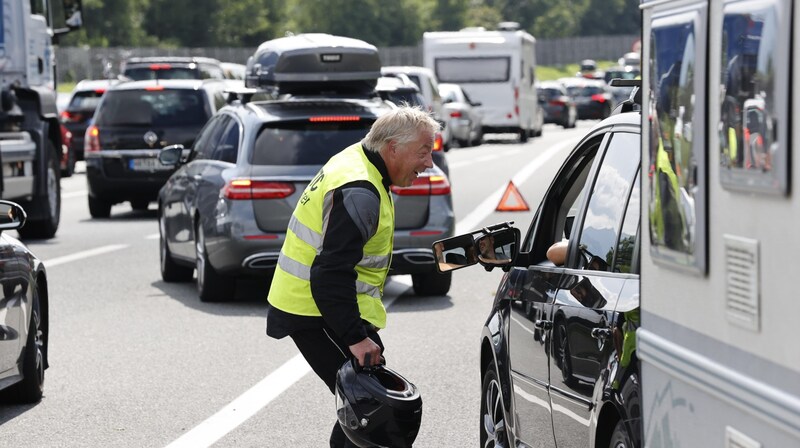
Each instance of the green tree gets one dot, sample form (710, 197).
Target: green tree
(112, 23)
(247, 23)
(188, 23)
(556, 22)
(449, 15)
(609, 17)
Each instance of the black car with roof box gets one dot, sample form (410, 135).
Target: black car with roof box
(225, 211)
(132, 123)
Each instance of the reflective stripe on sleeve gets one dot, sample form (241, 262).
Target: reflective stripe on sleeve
(375, 261)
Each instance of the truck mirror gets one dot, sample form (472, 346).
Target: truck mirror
(73, 14)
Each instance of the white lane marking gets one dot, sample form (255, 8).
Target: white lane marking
(245, 406)
(475, 160)
(74, 194)
(226, 420)
(153, 236)
(487, 207)
(84, 254)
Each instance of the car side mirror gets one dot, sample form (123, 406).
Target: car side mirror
(498, 248)
(12, 215)
(455, 253)
(171, 155)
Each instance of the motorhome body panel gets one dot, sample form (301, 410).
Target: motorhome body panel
(500, 75)
(719, 361)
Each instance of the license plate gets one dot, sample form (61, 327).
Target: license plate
(146, 165)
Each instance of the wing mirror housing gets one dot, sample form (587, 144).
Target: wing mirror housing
(12, 216)
(492, 247)
(171, 155)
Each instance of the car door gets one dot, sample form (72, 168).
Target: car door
(583, 310)
(530, 312)
(178, 200)
(14, 286)
(209, 182)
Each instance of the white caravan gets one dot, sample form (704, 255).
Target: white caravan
(720, 358)
(496, 69)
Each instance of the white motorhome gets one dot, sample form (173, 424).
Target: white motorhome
(720, 359)
(495, 68)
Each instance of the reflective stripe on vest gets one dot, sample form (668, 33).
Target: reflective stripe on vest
(291, 288)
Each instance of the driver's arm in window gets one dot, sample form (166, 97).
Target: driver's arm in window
(557, 253)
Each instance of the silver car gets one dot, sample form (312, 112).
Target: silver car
(225, 210)
(462, 118)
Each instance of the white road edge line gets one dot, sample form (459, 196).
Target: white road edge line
(81, 255)
(74, 194)
(250, 402)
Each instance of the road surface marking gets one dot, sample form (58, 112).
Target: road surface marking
(81, 255)
(73, 194)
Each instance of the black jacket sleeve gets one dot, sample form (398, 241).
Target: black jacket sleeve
(352, 222)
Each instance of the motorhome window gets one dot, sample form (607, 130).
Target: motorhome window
(305, 143)
(623, 258)
(751, 96)
(675, 159)
(606, 208)
(461, 70)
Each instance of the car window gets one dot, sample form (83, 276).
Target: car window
(145, 73)
(626, 244)
(228, 147)
(305, 142)
(209, 136)
(178, 107)
(208, 71)
(607, 204)
(84, 101)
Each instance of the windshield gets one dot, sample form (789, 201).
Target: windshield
(306, 143)
(460, 70)
(179, 107)
(145, 73)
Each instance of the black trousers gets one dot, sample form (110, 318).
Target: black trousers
(325, 353)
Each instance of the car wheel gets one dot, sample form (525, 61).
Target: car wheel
(99, 208)
(170, 270)
(210, 285)
(69, 169)
(46, 226)
(620, 437)
(30, 389)
(523, 135)
(433, 284)
(564, 357)
(140, 206)
(463, 143)
(493, 422)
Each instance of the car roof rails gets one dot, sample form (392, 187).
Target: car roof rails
(314, 62)
(245, 94)
(634, 101)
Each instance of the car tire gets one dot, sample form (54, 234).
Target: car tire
(211, 287)
(463, 143)
(493, 422)
(140, 206)
(46, 226)
(31, 388)
(620, 437)
(523, 135)
(171, 272)
(69, 170)
(433, 284)
(99, 208)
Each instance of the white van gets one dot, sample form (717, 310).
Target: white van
(495, 68)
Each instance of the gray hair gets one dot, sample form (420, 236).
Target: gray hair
(401, 125)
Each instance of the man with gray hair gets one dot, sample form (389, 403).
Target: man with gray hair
(327, 288)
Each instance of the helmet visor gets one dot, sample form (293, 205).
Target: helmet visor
(344, 412)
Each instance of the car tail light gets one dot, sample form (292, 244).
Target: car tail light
(557, 103)
(154, 88)
(237, 189)
(455, 114)
(599, 98)
(516, 101)
(91, 141)
(425, 185)
(160, 66)
(438, 142)
(99, 91)
(71, 117)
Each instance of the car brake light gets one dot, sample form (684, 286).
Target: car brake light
(71, 117)
(331, 118)
(599, 98)
(154, 88)
(160, 66)
(99, 91)
(455, 114)
(91, 141)
(516, 101)
(425, 185)
(237, 189)
(438, 142)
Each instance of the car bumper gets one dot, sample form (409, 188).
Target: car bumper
(110, 177)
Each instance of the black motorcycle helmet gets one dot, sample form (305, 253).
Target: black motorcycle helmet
(377, 407)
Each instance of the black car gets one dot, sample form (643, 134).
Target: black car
(172, 67)
(559, 107)
(224, 212)
(593, 97)
(80, 110)
(558, 357)
(132, 123)
(24, 316)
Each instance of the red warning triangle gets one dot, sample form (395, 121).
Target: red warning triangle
(512, 200)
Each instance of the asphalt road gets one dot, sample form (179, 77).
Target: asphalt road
(136, 362)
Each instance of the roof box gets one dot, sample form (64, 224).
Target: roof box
(314, 63)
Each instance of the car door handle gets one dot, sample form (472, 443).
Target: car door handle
(601, 333)
(543, 324)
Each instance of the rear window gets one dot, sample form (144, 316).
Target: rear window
(84, 101)
(304, 142)
(145, 73)
(179, 107)
(460, 70)
(408, 97)
(584, 91)
(550, 92)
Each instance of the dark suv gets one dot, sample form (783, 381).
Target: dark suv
(224, 212)
(171, 67)
(558, 349)
(133, 121)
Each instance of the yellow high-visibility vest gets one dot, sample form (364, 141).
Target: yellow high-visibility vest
(291, 286)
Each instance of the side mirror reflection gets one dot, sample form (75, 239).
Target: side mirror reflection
(455, 253)
(493, 248)
(12, 216)
(171, 155)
